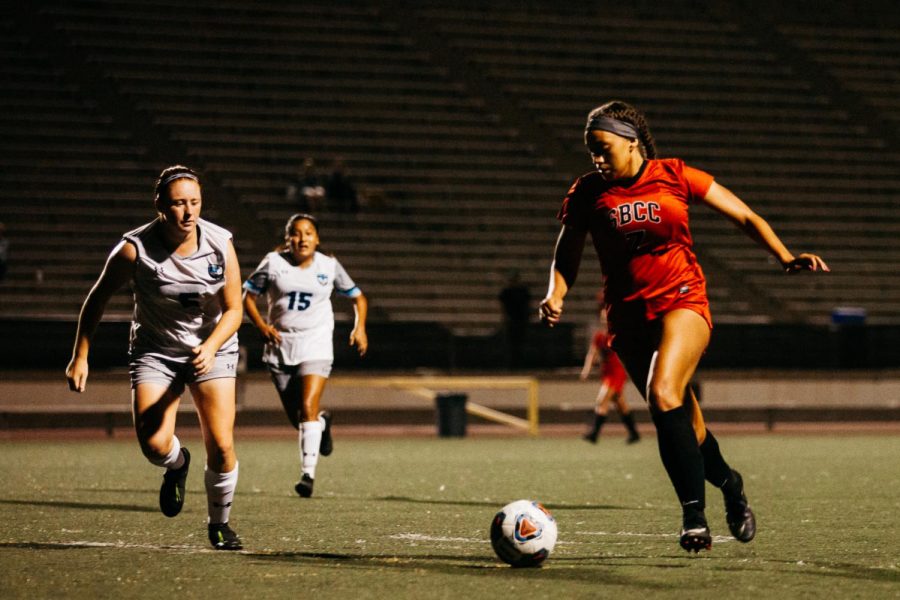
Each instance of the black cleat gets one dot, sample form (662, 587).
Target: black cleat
(171, 493)
(740, 518)
(304, 487)
(222, 537)
(326, 446)
(590, 437)
(633, 439)
(695, 534)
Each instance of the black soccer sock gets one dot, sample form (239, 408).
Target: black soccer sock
(628, 420)
(715, 468)
(599, 420)
(681, 457)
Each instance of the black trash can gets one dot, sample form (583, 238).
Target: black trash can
(848, 326)
(451, 414)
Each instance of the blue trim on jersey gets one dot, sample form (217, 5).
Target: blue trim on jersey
(252, 288)
(351, 293)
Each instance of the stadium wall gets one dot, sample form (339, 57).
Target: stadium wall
(405, 346)
(751, 373)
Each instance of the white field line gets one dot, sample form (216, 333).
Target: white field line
(421, 537)
(116, 545)
(412, 537)
(716, 538)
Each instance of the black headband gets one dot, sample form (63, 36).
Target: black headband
(626, 130)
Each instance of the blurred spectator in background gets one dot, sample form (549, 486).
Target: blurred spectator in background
(305, 191)
(4, 251)
(339, 190)
(515, 299)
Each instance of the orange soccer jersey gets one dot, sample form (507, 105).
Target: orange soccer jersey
(611, 371)
(640, 231)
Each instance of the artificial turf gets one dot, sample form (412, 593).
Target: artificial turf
(409, 518)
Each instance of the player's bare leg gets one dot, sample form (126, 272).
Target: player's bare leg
(601, 409)
(627, 417)
(684, 337)
(154, 409)
(315, 433)
(215, 402)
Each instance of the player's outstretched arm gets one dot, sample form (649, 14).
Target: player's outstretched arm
(563, 272)
(722, 200)
(117, 272)
(589, 359)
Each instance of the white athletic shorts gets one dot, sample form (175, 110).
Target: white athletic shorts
(176, 375)
(282, 374)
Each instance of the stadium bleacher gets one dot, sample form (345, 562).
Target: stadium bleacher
(461, 188)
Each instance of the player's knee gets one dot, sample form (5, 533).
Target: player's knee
(156, 448)
(664, 395)
(221, 454)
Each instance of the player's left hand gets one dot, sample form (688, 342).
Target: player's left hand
(359, 339)
(204, 360)
(806, 262)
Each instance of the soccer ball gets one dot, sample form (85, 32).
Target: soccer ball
(523, 533)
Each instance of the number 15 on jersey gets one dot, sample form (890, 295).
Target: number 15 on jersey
(299, 300)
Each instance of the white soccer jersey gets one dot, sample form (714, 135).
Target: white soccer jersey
(176, 298)
(300, 305)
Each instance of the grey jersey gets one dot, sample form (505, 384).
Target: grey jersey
(299, 302)
(176, 298)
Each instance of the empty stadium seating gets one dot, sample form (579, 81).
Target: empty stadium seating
(459, 191)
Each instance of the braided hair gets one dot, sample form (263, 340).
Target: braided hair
(622, 111)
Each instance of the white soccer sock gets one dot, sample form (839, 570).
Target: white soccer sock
(310, 440)
(174, 459)
(220, 493)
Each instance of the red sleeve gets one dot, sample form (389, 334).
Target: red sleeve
(698, 183)
(574, 210)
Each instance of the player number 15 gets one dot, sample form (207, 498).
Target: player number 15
(299, 300)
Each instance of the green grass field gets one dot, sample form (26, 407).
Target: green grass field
(409, 518)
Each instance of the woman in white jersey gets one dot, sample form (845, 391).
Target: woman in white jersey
(298, 281)
(187, 310)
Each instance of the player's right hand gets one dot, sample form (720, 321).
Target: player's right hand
(551, 310)
(77, 374)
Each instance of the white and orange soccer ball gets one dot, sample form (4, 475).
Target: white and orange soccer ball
(523, 533)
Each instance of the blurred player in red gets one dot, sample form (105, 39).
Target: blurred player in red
(612, 377)
(635, 208)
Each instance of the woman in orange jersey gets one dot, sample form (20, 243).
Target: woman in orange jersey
(612, 378)
(635, 207)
